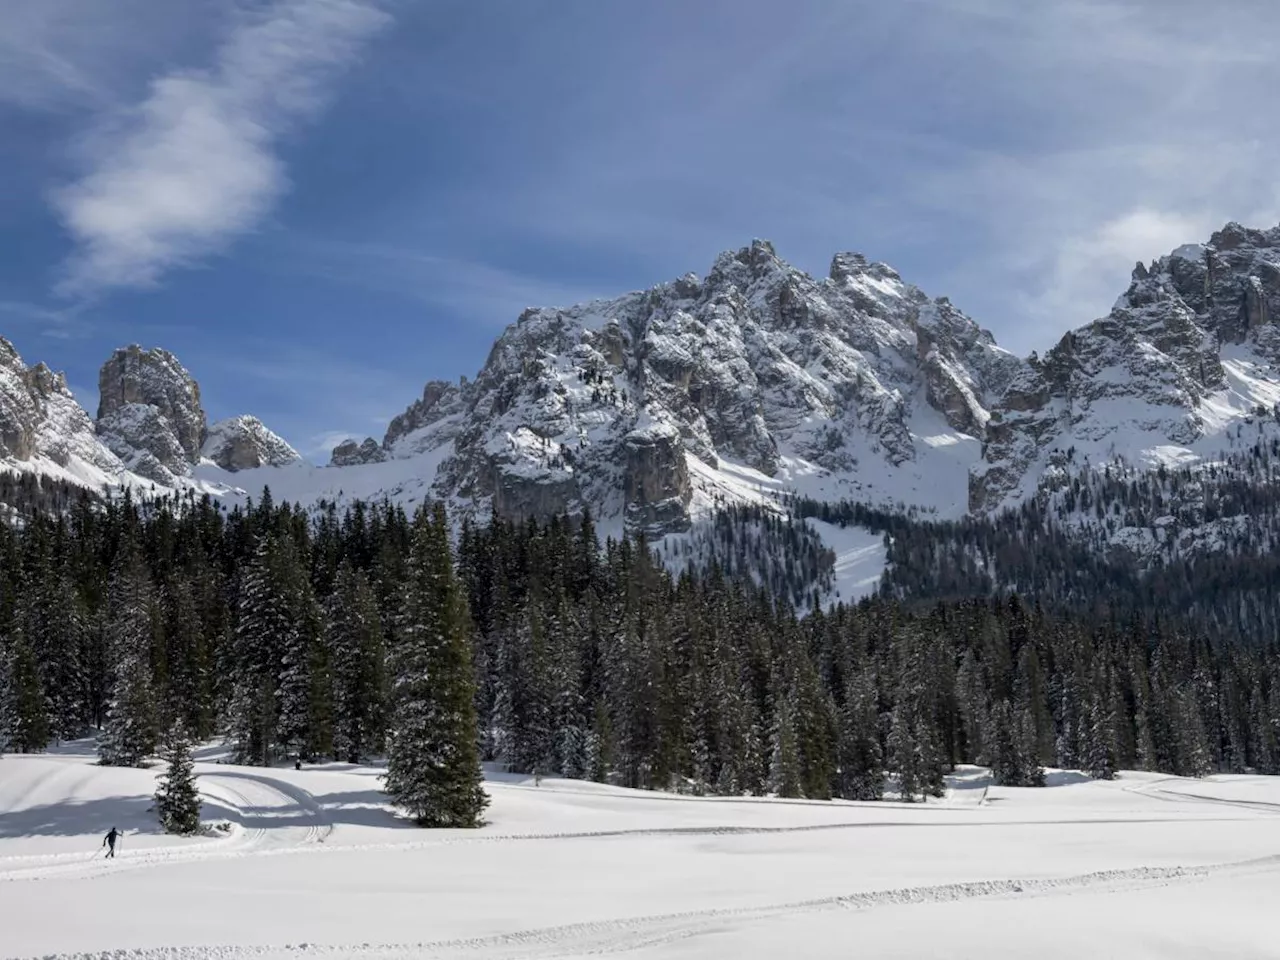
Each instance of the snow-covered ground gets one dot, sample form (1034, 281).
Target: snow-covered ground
(861, 558)
(315, 865)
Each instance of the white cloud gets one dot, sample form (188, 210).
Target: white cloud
(176, 177)
(1090, 270)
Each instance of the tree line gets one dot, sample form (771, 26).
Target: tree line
(367, 632)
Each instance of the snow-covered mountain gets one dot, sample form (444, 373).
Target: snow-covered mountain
(752, 382)
(42, 427)
(1189, 352)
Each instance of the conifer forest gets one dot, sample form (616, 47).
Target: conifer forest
(373, 632)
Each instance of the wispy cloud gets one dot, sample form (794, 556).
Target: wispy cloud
(494, 296)
(57, 322)
(176, 177)
(75, 54)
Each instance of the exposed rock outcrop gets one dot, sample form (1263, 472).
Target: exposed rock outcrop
(349, 453)
(418, 428)
(40, 418)
(1150, 379)
(758, 364)
(245, 443)
(149, 413)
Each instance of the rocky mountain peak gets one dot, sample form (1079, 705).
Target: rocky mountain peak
(1192, 340)
(626, 404)
(440, 399)
(149, 412)
(40, 418)
(245, 443)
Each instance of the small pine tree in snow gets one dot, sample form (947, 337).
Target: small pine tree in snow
(177, 799)
(433, 760)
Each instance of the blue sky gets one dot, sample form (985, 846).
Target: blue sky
(320, 204)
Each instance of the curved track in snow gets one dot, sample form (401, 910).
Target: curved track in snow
(268, 815)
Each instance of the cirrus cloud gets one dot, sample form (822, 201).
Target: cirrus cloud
(177, 176)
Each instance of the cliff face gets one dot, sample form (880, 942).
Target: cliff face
(611, 404)
(40, 418)
(149, 413)
(749, 383)
(1189, 350)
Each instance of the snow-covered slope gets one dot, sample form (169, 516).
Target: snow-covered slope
(313, 864)
(44, 430)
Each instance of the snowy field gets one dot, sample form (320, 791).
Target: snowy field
(315, 865)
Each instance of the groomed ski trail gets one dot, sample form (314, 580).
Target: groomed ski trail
(263, 813)
(624, 934)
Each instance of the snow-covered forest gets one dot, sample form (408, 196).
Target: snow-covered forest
(365, 632)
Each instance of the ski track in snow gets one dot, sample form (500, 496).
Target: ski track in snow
(625, 934)
(275, 815)
(262, 802)
(1154, 791)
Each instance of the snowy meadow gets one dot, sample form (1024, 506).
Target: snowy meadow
(313, 862)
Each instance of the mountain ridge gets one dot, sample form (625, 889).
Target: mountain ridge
(752, 383)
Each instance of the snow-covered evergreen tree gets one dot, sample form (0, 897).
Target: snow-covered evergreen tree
(26, 707)
(784, 758)
(6, 695)
(433, 762)
(356, 661)
(177, 797)
(861, 759)
(1100, 749)
(129, 736)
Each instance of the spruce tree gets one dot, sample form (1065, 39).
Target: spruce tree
(861, 774)
(177, 798)
(129, 736)
(356, 661)
(784, 761)
(25, 706)
(433, 763)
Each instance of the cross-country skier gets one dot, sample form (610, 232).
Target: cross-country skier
(109, 841)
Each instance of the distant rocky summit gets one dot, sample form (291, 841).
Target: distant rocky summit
(245, 443)
(349, 453)
(149, 413)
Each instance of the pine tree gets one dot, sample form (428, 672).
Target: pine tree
(784, 762)
(356, 655)
(25, 707)
(1100, 750)
(177, 798)
(265, 628)
(433, 763)
(130, 733)
(903, 755)
(861, 759)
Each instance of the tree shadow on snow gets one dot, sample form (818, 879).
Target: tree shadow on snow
(73, 818)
